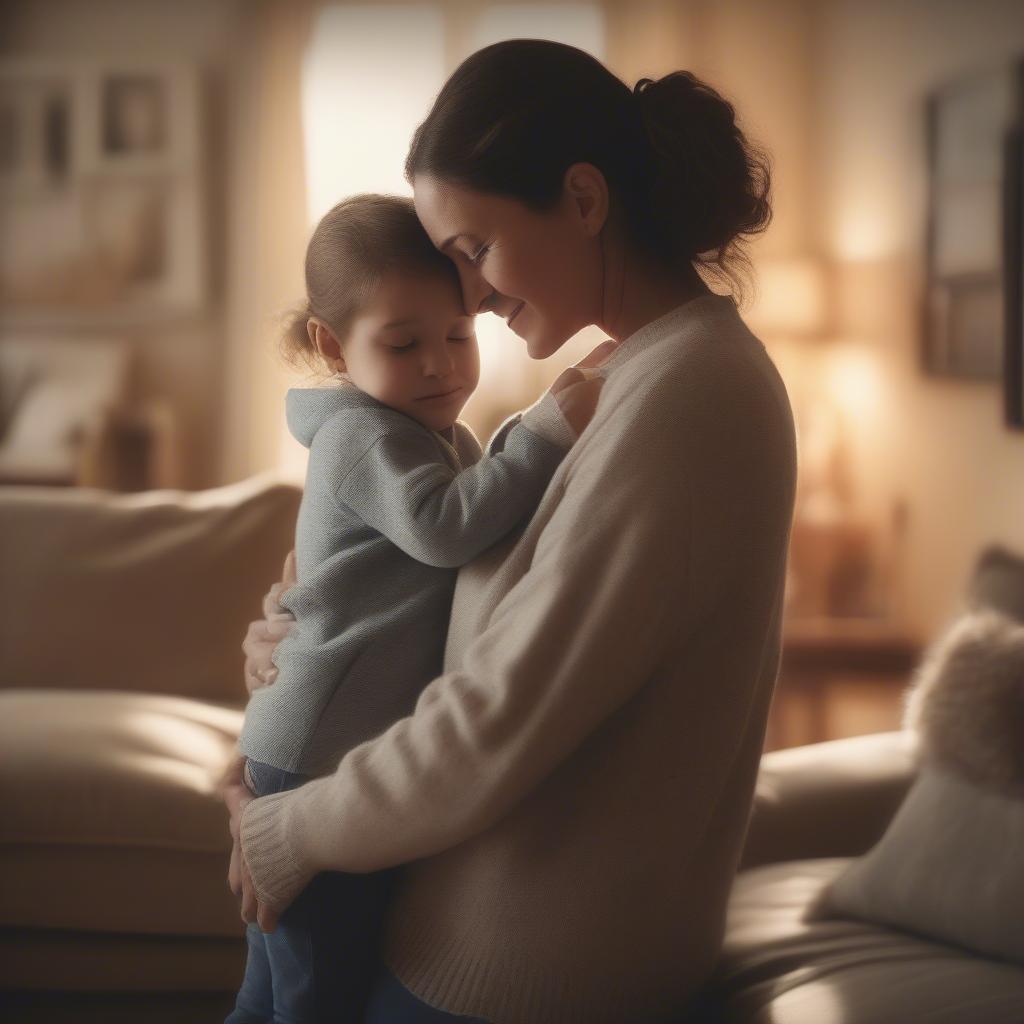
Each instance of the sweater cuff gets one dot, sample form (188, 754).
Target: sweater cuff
(545, 419)
(500, 436)
(277, 874)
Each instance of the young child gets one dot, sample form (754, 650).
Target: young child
(398, 494)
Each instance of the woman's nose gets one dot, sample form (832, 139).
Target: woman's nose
(476, 292)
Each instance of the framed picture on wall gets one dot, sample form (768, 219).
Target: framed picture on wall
(1013, 204)
(134, 113)
(101, 193)
(968, 122)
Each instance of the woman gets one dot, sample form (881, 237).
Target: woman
(571, 797)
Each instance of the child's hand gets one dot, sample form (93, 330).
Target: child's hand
(578, 388)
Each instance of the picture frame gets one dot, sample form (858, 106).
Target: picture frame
(1013, 204)
(134, 112)
(103, 160)
(965, 319)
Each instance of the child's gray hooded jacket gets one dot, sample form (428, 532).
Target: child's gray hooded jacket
(390, 510)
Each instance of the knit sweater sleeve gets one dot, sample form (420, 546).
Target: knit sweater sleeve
(403, 489)
(604, 599)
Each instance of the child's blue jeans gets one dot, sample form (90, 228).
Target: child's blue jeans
(321, 961)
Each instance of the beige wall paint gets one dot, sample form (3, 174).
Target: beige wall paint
(267, 233)
(938, 445)
(834, 88)
(182, 361)
(756, 55)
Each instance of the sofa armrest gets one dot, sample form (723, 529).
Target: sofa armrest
(831, 799)
(147, 592)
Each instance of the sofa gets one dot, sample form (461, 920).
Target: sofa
(121, 699)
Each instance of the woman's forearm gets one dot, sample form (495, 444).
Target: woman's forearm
(570, 644)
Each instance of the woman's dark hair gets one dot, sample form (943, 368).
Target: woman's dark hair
(354, 246)
(514, 116)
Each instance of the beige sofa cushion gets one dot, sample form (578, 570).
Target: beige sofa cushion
(779, 968)
(149, 592)
(111, 817)
(832, 799)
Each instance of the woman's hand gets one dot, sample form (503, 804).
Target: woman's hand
(266, 633)
(576, 390)
(260, 640)
(236, 795)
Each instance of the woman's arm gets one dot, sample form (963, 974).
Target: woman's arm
(569, 644)
(576, 393)
(258, 646)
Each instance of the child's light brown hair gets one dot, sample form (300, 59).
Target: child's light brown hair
(355, 245)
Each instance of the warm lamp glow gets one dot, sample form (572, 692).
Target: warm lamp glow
(369, 78)
(854, 380)
(791, 299)
(357, 142)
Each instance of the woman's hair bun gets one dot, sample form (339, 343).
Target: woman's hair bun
(515, 115)
(713, 184)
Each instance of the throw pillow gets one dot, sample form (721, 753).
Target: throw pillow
(950, 866)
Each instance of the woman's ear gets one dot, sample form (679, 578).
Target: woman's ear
(323, 339)
(586, 188)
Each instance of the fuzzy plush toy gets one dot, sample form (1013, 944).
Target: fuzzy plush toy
(950, 867)
(967, 705)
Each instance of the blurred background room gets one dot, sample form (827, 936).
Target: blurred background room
(161, 167)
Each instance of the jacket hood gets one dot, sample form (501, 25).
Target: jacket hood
(308, 409)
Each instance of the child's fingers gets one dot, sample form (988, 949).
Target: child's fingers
(598, 355)
(566, 379)
(578, 402)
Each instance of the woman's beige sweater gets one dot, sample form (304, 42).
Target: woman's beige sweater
(573, 793)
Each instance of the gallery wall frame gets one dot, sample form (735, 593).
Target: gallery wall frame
(968, 121)
(1013, 205)
(101, 193)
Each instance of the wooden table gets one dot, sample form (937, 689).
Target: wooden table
(867, 660)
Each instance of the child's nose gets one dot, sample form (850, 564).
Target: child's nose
(438, 362)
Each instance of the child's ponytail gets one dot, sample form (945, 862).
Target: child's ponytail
(353, 247)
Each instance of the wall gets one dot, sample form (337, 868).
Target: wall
(267, 233)
(834, 88)
(184, 360)
(938, 445)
